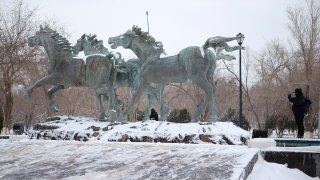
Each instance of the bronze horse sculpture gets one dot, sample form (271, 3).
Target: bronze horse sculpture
(126, 73)
(90, 45)
(66, 70)
(192, 64)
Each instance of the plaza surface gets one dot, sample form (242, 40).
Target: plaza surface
(39, 159)
(34, 159)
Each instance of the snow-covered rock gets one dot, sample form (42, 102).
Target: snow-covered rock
(89, 129)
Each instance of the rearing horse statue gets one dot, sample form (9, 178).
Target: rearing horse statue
(192, 64)
(65, 70)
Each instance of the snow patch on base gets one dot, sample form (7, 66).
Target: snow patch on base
(81, 128)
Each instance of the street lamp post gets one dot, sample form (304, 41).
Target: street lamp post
(240, 41)
(147, 13)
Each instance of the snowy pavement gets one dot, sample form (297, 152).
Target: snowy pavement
(39, 159)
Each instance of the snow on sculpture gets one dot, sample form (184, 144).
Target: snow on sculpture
(219, 43)
(190, 65)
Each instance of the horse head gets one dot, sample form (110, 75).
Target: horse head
(33, 41)
(49, 38)
(39, 37)
(123, 40)
(90, 45)
(141, 43)
(79, 46)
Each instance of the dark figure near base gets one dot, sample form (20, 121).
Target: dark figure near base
(154, 115)
(300, 107)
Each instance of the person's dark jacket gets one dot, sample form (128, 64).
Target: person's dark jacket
(300, 103)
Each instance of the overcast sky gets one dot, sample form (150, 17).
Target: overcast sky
(177, 23)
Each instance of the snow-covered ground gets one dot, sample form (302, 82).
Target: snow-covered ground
(96, 160)
(41, 159)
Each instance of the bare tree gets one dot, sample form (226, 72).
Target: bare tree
(226, 94)
(304, 25)
(273, 69)
(252, 108)
(15, 25)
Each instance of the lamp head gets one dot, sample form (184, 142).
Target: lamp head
(240, 38)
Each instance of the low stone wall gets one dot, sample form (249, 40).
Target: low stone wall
(308, 162)
(249, 167)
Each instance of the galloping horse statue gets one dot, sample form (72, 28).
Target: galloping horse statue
(127, 73)
(192, 64)
(65, 70)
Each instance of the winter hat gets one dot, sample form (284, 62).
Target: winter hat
(298, 91)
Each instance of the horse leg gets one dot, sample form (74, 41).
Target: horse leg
(165, 111)
(101, 106)
(50, 93)
(213, 111)
(114, 102)
(164, 108)
(158, 94)
(111, 98)
(49, 79)
(135, 98)
(212, 103)
(206, 86)
(149, 104)
(152, 93)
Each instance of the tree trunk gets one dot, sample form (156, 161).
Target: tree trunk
(7, 119)
(319, 120)
(1, 118)
(308, 120)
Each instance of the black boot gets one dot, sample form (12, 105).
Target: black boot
(300, 136)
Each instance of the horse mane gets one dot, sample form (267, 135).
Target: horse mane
(61, 41)
(149, 39)
(92, 39)
(95, 43)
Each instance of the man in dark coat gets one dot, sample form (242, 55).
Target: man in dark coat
(299, 108)
(154, 115)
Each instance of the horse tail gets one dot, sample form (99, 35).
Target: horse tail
(113, 73)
